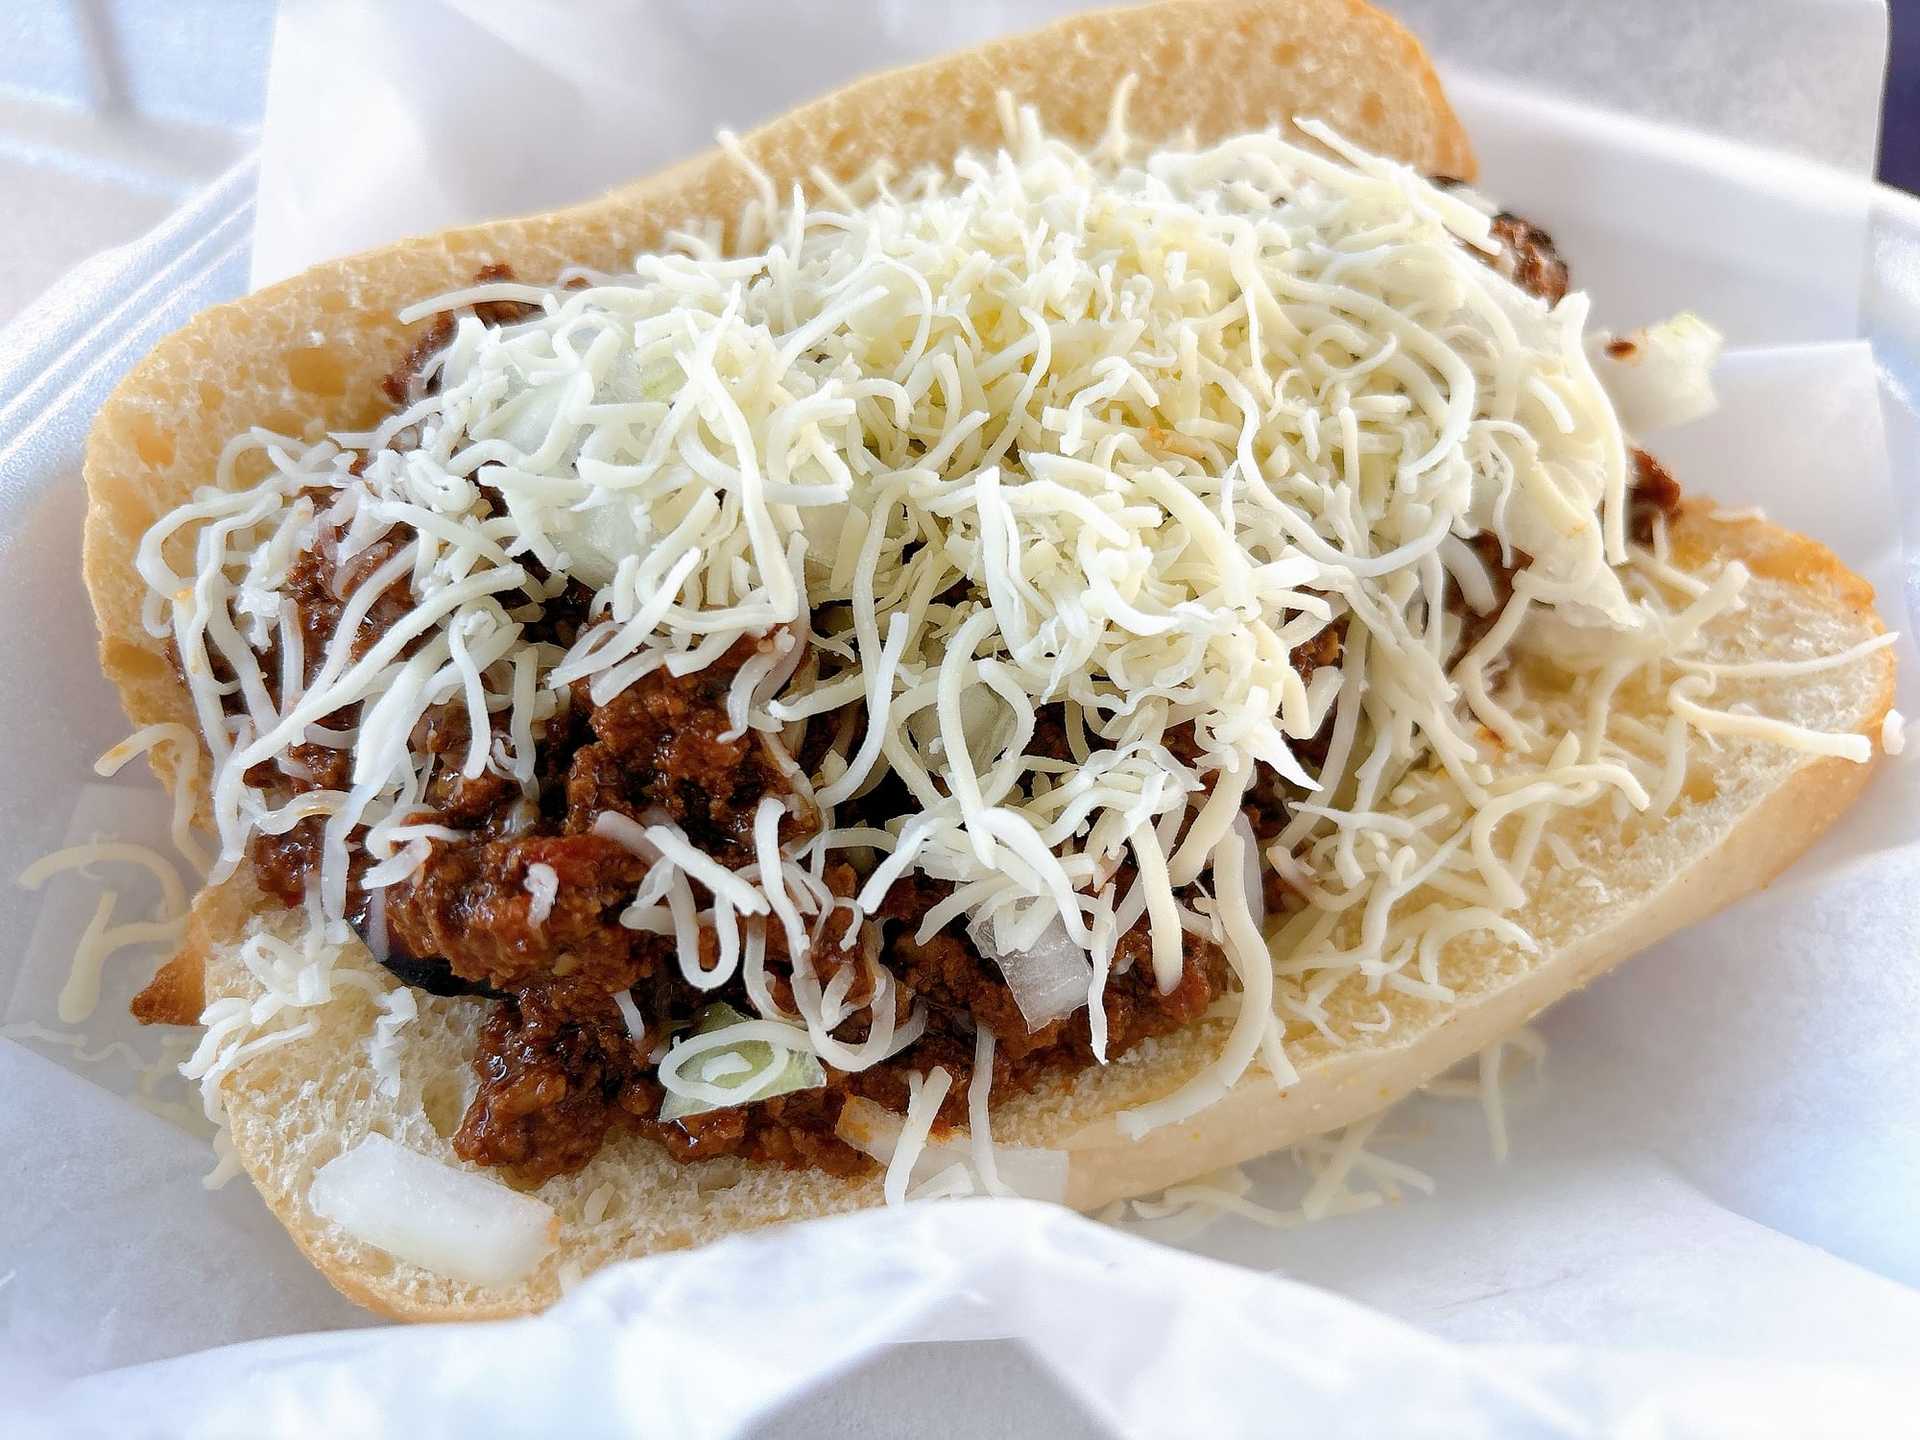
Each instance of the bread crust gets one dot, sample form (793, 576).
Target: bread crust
(306, 356)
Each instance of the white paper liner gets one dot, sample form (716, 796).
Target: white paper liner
(1721, 1155)
(1117, 1337)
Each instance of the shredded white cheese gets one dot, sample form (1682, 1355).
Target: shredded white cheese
(979, 1120)
(1111, 434)
(925, 1092)
(398, 1008)
(1331, 1162)
(102, 939)
(186, 779)
(74, 1043)
(542, 886)
(630, 1015)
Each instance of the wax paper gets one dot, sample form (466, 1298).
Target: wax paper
(1707, 1216)
(1161, 1344)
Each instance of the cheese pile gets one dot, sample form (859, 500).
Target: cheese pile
(1104, 431)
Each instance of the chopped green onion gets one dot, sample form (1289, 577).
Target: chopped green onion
(752, 1067)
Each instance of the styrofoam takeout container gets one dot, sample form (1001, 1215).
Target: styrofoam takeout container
(1762, 240)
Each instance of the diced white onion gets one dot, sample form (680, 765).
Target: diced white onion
(1026, 1170)
(1660, 376)
(1049, 978)
(453, 1222)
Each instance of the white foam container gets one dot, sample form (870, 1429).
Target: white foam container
(1757, 241)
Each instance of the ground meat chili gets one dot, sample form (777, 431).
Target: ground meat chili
(1525, 253)
(558, 1070)
(1652, 494)
(1527, 257)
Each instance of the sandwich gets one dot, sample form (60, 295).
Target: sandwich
(1048, 623)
